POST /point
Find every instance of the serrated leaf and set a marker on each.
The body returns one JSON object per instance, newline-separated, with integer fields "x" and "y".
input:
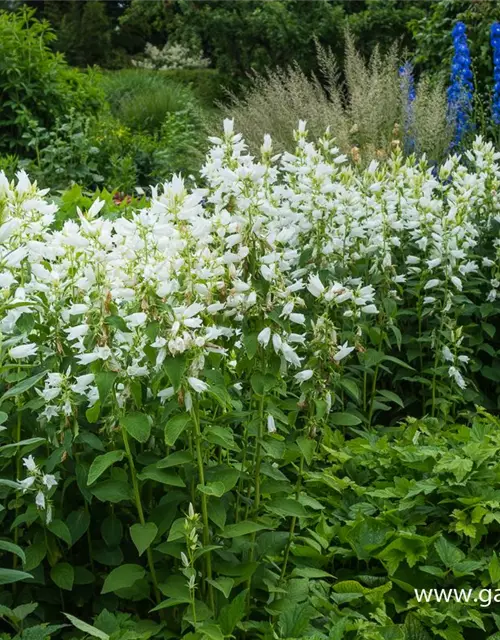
{"x": 104, "y": 382}
{"x": 137, "y": 425}
{"x": 216, "y": 489}
{"x": 174, "y": 428}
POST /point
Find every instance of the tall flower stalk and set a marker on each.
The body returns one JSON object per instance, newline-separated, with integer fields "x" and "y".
{"x": 461, "y": 88}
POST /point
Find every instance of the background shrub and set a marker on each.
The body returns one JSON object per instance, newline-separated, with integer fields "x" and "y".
{"x": 36, "y": 85}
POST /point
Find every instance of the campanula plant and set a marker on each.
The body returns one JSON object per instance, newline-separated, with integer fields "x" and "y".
{"x": 409, "y": 94}
{"x": 461, "y": 88}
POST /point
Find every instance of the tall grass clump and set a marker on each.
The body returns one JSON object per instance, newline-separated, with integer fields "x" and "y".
{"x": 361, "y": 103}
{"x": 143, "y": 100}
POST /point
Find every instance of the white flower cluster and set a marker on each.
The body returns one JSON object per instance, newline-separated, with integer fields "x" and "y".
{"x": 171, "y": 56}
{"x": 272, "y": 242}
{"x": 39, "y": 483}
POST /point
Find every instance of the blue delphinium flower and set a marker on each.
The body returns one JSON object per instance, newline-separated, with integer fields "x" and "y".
{"x": 495, "y": 43}
{"x": 461, "y": 87}
{"x": 409, "y": 95}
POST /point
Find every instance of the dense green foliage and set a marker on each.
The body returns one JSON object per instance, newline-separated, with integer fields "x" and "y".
{"x": 36, "y": 85}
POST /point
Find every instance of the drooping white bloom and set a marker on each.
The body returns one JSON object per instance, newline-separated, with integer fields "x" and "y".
{"x": 271, "y": 425}
{"x": 40, "y": 500}
{"x": 343, "y": 352}
{"x": 23, "y": 351}
{"x": 30, "y": 463}
{"x": 198, "y": 385}
{"x": 315, "y": 286}
{"x": 303, "y": 376}
{"x": 264, "y": 336}
{"x": 49, "y": 481}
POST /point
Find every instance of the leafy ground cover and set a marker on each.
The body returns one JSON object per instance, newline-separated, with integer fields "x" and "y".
{"x": 252, "y": 409}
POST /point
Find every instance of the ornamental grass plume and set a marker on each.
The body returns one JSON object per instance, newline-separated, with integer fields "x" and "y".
{"x": 461, "y": 88}
{"x": 361, "y": 110}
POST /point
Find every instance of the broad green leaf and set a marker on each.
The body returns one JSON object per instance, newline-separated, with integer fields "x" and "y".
{"x": 122, "y": 577}
{"x": 60, "y": 529}
{"x": 175, "y": 426}
{"x": 143, "y": 535}
{"x": 216, "y": 489}
{"x": 494, "y": 569}
{"x": 137, "y": 425}
{"x": 22, "y": 386}
{"x": 307, "y": 447}
{"x": 162, "y": 476}
{"x": 262, "y": 383}
{"x": 242, "y": 529}
{"x": 63, "y": 575}
{"x": 286, "y": 507}
{"x": 232, "y": 613}
{"x": 344, "y": 419}
{"x": 351, "y": 387}
{"x": 78, "y": 522}
{"x": 450, "y": 554}
{"x": 101, "y": 463}
{"x": 112, "y": 531}
{"x": 391, "y": 396}
{"x": 112, "y": 491}
{"x": 86, "y": 628}
{"x": 104, "y": 382}
{"x": 224, "y": 585}
{"x": 175, "y": 368}
{"x": 5, "y": 545}
{"x": 7, "y": 576}
{"x": 175, "y": 459}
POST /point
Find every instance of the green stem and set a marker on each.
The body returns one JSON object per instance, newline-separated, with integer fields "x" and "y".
{"x": 294, "y": 521}
{"x": 204, "y": 504}
{"x": 18, "y": 476}
{"x": 140, "y": 512}
{"x": 372, "y": 397}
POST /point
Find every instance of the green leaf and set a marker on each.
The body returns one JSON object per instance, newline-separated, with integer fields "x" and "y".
{"x": 450, "y": 554}
{"x": 13, "y": 548}
{"x": 262, "y": 383}
{"x": 175, "y": 368}
{"x": 22, "y": 386}
{"x": 242, "y": 529}
{"x": 175, "y": 426}
{"x": 391, "y": 396}
{"x": 224, "y": 585}
{"x": 494, "y": 569}
{"x": 112, "y": 531}
{"x": 351, "y": 387}
{"x": 216, "y": 489}
{"x": 60, "y": 529}
{"x": 143, "y": 535}
{"x": 78, "y": 522}
{"x": 285, "y": 507}
{"x": 63, "y": 575}
{"x": 233, "y": 613}
{"x": 92, "y": 414}
{"x": 137, "y": 425}
{"x": 86, "y": 628}
{"x": 344, "y": 419}
{"x": 104, "y": 382}
{"x": 175, "y": 459}
{"x": 160, "y": 475}
{"x": 101, "y": 463}
{"x": 122, "y": 577}
{"x": 7, "y": 576}
{"x": 307, "y": 447}
{"x": 112, "y": 491}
